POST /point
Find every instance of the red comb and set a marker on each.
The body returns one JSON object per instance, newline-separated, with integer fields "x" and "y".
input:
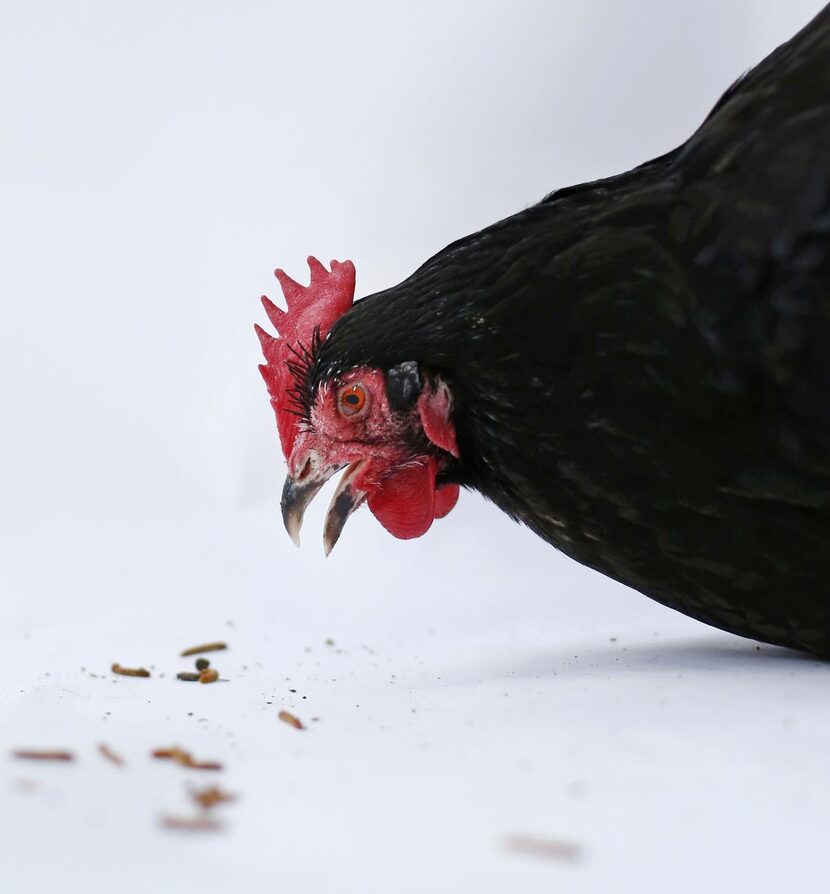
{"x": 312, "y": 311}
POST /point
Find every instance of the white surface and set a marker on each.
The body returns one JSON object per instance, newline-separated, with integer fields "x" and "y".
{"x": 156, "y": 162}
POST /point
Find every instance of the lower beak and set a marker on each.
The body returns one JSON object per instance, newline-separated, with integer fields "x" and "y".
{"x": 297, "y": 493}
{"x": 346, "y": 499}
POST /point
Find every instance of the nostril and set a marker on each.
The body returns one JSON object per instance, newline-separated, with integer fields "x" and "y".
{"x": 305, "y": 472}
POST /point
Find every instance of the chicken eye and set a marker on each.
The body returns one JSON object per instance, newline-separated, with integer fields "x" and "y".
{"x": 351, "y": 399}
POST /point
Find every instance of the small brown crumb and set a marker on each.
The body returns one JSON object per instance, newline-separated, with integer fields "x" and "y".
{"x": 130, "y": 671}
{"x": 110, "y": 755}
{"x": 188, "y": 676}
{"x": 209, "y": 676}
{"x": 185, "y": 758}
{"x": 547, "y": 848}
{"x": 34, "y": 755}
{"x": 175, "y": 754}
{"x": 207, "y": 647}
{"x": 211, "y": 796}
{"x": 290, "y": 719}
{"x": 192, "y": 823}
{"x": 202, "y": 664}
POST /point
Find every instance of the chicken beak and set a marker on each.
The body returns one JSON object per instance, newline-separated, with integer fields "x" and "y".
{"x": 297, "y": 493}
{"x": 346, "y": 499}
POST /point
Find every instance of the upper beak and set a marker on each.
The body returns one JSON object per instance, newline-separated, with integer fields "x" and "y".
{"x": 298, "y": 492}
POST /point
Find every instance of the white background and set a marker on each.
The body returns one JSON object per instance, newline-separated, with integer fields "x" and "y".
{"x": 157, "y": 160}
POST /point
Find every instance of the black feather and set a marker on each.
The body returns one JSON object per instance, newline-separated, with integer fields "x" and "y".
{"x": 640, "y": 366}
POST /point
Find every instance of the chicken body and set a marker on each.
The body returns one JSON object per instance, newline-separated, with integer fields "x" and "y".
{"x": 640, "y": 366}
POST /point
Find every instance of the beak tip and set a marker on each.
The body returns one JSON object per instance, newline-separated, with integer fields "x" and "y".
{"x": 330, "y": 539}
{"x": 293, "y": 523}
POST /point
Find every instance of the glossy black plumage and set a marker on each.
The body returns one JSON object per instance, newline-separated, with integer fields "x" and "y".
{"x": 640, "y": 366}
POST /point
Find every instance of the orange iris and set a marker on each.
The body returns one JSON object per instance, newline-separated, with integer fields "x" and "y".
{"x": 352, "y": 399}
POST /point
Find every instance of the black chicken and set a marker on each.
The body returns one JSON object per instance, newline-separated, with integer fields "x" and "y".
{"x": 638, "y": 369}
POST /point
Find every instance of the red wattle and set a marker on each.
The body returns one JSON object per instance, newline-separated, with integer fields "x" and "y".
{"x": 405, "y": 503}
{"x": 445, "y": 499}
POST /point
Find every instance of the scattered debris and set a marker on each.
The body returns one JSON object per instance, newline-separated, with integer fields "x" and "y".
{"x": 192, "y": 823}
{"x": 207, "y": 647}
{"x": 25, "y": 785}
{"x": 209, "y": 676}
{"x": 291, "y": 720}
{"x": 35, "y": 755}
{"x": 211, "y": 796}
{"x": 546, "y": 848}
{"x": 202, "y": 664}
{"x": 189, "y": 676}
{"x": 185, "y": 758}
{"x": 110, "y": 755}
{"x": 130, "y": 671}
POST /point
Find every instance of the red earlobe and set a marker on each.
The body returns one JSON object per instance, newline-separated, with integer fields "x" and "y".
{"x": 435, "y": 408}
